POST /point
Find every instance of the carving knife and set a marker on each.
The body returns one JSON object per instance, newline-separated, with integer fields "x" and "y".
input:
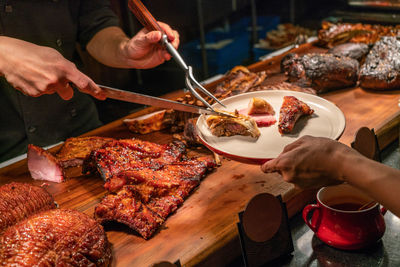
{"x": 137, "y": 98}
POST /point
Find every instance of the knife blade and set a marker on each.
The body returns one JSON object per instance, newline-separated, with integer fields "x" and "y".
{"x": 137, "y": 98}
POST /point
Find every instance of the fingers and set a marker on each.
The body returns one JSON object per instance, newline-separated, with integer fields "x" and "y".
{"x": 65, "y": 91}
{"x": 84, "y": 84}
{"x": 269, "y": 166}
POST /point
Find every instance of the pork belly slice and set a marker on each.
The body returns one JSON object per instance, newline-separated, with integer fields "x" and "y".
{"x": 259, "y": 105}
{"x": 43, "y": 165}
{"x": 56, "y": 237}
{"x": 230, "y": 126}
{"x": 291, "y": 110}
{"x": 20, "y": 200}
{"x": 76, "y": 149}
{"x": 131, "y": 154}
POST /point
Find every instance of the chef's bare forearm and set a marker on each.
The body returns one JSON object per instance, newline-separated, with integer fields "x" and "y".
{"x": 107, "y": 47}
{"x": 376, "y": 179}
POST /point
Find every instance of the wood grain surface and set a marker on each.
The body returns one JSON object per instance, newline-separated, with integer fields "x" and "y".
{"x": 206, "y": 222}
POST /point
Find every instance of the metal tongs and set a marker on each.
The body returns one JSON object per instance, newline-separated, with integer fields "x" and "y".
{"x": 150, "y": 23}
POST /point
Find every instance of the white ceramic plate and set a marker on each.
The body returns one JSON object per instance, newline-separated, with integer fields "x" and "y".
{"x": 327, "y": 121}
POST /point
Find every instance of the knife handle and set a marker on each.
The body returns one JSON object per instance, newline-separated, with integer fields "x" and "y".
{"x": 144, "y": 16}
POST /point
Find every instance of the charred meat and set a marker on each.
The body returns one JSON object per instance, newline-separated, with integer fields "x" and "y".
{"x": 18, "y": 201}
{"x": 291, "y": 110}
{"x": 56, "y": 237}
{"x": 357, "y": 51}
{"x": 323, "y": 72}
{"x": 381, "y": 70}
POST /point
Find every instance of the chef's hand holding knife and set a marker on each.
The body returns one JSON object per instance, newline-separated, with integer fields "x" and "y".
{"x": 37, "y": 70}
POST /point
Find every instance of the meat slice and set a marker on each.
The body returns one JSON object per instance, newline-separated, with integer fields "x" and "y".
{"x": 357, "y": 51}
{"x": 291, "y": 110}
{"x": 259, "y": 106}
{"x": 147, "y": 196}
{"x": 76, "y": 149}
{"x": 56, "y": 237}
{"x": 323, "y": 72}
{"x": 19, "y": 200}
{"x": 381, "y": 70}
{"x": 229, "y": 126}
{"x": 43, "y": 165}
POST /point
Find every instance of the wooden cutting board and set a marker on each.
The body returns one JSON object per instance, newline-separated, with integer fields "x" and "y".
{"x": 206, "y": 222}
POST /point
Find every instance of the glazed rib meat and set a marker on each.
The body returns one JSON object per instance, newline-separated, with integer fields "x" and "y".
{"x": 291, "y": 110}
{"x": 130, "y": 154}
{"x": 155, "y": 181}
{"x": 381, "y": 70}
{"x": 76, "y": 149}
{"x": 56, "y": 237}
{"x": 323, "y": 72}
{"x": 19, "y": 200}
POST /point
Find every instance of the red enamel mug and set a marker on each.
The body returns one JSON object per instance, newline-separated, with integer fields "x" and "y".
{"x": 337, "y": 221}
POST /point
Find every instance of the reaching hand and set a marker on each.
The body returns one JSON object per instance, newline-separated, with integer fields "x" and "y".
{"x": 310, "y": 162}
{"x": 144, "y": 50}
{"x": 37, "y": 70}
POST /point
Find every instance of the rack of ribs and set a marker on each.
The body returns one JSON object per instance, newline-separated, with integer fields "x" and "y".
{"x": 19, "y": 200}
{"x": 332, "y": 34}
{"x": 146, "y": 181}
{"x": 291, "y": 110}
{"x": 57, "y": 237}
{"x": 381, "y": 70}
{"x": 323, "y": 72}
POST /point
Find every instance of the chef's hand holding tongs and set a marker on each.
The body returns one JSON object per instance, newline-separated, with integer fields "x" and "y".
{"x": 149, "y": 22}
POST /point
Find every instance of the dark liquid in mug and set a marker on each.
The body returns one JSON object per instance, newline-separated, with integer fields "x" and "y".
{"x": 347, "y": 206}
{"x": 347, "y": 203}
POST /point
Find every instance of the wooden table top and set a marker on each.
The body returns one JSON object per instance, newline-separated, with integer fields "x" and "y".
{"x": 206, "y": 222}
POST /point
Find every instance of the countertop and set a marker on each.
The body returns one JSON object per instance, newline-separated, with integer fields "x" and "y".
{"x": 310, "y": 251}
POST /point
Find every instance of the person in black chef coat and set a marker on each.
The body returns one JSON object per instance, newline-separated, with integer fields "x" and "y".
{"x": 313, "y": 162}
{"x": 37, "y": 47}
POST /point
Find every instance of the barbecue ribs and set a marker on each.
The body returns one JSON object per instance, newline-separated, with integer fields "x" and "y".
{"x": 147, "y": 181}
{"x": 333, "y": 34}
{"x": 19, "y": 200}
{"x": 291, "y": 110}
{"x": 381, "y": 70}
{"x": 55, "y": 237}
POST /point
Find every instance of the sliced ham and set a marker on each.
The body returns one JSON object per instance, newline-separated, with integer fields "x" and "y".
{"x": 43, "y": 165}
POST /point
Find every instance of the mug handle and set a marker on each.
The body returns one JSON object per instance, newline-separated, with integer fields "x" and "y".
{"x": 383, "y": 210}
{"x": 306, "y": 211}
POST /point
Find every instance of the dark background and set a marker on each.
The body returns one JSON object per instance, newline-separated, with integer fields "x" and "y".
{"x": 183, "y": 15}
